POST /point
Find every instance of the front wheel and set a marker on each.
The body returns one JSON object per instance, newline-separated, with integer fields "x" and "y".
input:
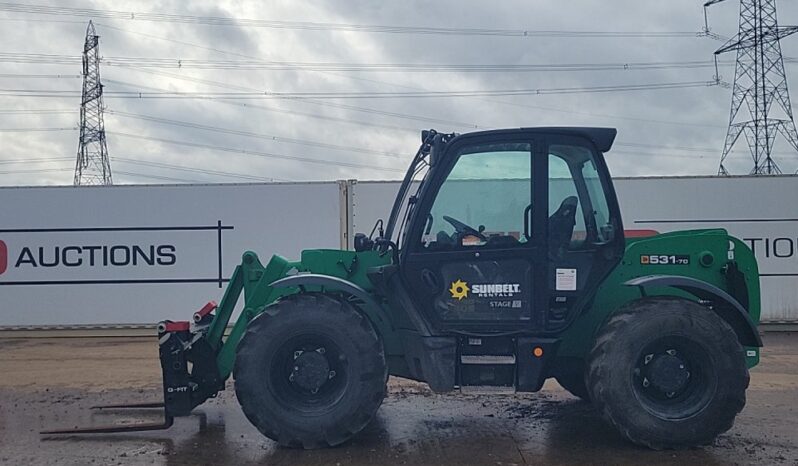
{"x": 310, "y": 371}
{"x": 668, "y": 373}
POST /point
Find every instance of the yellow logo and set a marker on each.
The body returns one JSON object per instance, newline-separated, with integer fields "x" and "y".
{"x": 459, "y": 290}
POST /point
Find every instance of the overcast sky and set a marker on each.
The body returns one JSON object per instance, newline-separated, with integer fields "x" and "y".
{"x": 661, "y": 132}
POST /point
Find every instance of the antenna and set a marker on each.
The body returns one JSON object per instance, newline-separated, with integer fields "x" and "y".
{"x": 92, "y": 166}
{"x": 759, "y": 82}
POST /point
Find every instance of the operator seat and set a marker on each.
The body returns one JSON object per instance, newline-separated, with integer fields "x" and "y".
{"x": 561, "y": 226}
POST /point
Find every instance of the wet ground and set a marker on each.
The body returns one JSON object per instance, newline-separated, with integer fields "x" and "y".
{"x": 51, "y": 383}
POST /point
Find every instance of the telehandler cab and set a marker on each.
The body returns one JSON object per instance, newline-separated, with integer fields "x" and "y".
{"x": 503, "y": 262}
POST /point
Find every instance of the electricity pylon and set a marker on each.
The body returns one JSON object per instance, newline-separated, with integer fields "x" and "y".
{"x": 760, "y": 85}
{"x": 92, "y": 166}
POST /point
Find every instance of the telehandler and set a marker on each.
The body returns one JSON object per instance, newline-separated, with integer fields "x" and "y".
{"x": 503, "y": 262}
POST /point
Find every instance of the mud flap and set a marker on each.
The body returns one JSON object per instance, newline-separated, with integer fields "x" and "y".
{"x": 533, "y": 356}
{"x": 432, "y": 360}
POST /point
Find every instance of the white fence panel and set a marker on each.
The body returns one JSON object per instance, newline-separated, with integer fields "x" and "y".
{"x": 139, "y": 254}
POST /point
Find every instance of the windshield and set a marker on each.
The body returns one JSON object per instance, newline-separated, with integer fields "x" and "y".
{"x": 485, "y": 199}
{"x": 406, "y": 196}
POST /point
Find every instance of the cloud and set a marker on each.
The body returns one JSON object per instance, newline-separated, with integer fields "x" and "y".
{"x": 667, "y": 132}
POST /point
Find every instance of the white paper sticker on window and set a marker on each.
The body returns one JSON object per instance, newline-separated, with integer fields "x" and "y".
{"x": 566, "y": 280}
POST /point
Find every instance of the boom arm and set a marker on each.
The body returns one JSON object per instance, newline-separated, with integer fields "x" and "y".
{"x": 254, "y": 280}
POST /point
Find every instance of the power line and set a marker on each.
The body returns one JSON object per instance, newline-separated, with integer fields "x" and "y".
{"x": 313, "y": 115}
{"x": 37, "y": 160}
{"x": 39, "y": 76}
{"x": 39, "y": 58}
{"x": 51, "y": 170}
{"x": 217, "y": 129}
{"x": 189, "y": 169}
{"x": 270, "y": 108}
{"x": 38, "y": 170}
{"x": 361, "y": 109}
{"x": 40, "y": 111}
{"x": 665, "y": 146}
{"x": 42, "y": 20}
{"x": 34, "y": 130}
{"x": 256, "y": 153}
{"x": 278, "y": 110}
{"x": 323, "y": 26}
{"x": 297, "y": 141}
{"x": 657, "y": 151}
{"x": 606, "y": 115}
{"x": 362, "y": 94}
{"x": 126, "y": 160}
{"x": 657, "y": 154}
{"x": 259, "y": 65}
{"x": 128, "y": 173}
{"x": 313, "y": 102}
{"x": 651, "y": 65}
{"x": 322, "y": 103}
{"x": 156, "y": 177}
{"x": 655, "y": 146}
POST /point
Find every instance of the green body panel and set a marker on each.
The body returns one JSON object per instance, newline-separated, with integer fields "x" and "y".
{"x": 613, "y": 294}
{"x": 254, "y": 280}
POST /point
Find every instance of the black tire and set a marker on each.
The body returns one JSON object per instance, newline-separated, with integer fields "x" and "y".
{"x": 571, "y": 377}
{"x": 348, "y": 375}
{"x": 668, "y": 373}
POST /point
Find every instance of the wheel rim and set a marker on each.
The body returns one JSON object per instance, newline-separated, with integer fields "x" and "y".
{"x": 673, "y": 377}
{"x": 308, "y": 373}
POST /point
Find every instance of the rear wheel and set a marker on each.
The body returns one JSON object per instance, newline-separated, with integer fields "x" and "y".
{"x": 310, "y": 371}
{"x": 668, "y": 373}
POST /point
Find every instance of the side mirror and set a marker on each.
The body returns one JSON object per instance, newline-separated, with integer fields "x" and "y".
{"x": 363, "y": 243}
{"x": 608, "y": 232}
{"x": 424, "y": 135}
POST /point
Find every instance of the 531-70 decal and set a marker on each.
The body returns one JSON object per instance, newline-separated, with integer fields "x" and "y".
{"x": 664, "y": 259}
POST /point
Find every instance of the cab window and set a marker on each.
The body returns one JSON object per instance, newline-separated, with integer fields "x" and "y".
{"x": 601, "y": 210}
{"x": 484, "y": 200}
{"x": 578, "y": 209}
{"x": 562, "y": 196}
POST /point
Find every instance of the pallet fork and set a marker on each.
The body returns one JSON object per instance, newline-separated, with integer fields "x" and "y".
{"x": 115, "y": 429}
{"x": 179, "y": 346}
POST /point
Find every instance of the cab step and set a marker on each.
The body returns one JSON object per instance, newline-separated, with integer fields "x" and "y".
{"x": 487, "y": 390}
{"x": 487, "y": 359}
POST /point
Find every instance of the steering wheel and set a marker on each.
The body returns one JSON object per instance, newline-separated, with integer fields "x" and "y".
{"x": 462, "y": 229}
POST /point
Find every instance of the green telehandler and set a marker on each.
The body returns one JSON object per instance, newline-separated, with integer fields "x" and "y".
{"x": 503, "y": 262}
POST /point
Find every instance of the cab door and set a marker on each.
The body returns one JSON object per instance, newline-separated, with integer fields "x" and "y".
{"x": 585, "y": 234}
{"x": 475, "y": 255}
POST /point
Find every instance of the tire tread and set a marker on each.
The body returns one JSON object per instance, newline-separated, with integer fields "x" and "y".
{"x": 247, "y": 388}
{"x": 601, "y": 355}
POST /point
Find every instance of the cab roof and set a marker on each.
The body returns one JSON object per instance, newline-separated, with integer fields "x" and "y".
{"x": 601, "y": 137}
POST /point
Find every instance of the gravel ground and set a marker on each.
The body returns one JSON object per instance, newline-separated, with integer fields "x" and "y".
{"x": 49, "y": 383}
